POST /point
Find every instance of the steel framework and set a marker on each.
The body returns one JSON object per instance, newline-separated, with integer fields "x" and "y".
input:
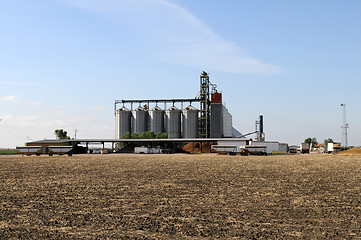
{"x": 204, "y": 105}
{"x": 156, "y": 101}
{"x": 203, "y": 98}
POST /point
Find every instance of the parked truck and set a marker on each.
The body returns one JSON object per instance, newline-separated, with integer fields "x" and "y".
{"x": 260, "y": 150}
{"x": 224, "y": 150}
{"x": 293, "y": 149}
{"x": 244, "y": 151}
{"x": 147, "y": 150}
{"x": 29, "y": 150}
{"x": 305, "y": 148}
{"x": 333, "y": 147}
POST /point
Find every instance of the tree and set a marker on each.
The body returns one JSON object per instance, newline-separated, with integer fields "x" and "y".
{"x": 144, "y": 135}
{"x": 327, "y": 141}
{"x": 135, "y": 136}
{"x": 125, "y": 136}
{"x": 311, "y": 141}
{"x": 161, "y": 135}
{"x": 61, "y": 134}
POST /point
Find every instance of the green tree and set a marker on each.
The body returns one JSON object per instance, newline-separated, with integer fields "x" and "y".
{"x": 61, "y": 134}
{"x": 328, "y": 141}
{"x": 164, "y": 136}
{"x": 312, "y": 141}
{"x": 144, "y": 135}
{"x": 125, "y": 136}
{"x": 135, "y": 136}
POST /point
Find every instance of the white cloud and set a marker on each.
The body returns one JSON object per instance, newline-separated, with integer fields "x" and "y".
{"x": 36, "y": 103}
{"x": 16, "y": 129}
{"x": 176, "y": 35}
{"x": 14, "y": 98}
{"x": 8, "y": 98}
{"x": 6, "y": 117}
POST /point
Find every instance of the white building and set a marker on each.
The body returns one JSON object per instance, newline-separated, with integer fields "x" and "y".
{"x": 242, "y": 142}
{"x": 237, "y": 142}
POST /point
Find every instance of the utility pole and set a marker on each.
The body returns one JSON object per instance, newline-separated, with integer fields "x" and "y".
{"x": 344, "y": 126}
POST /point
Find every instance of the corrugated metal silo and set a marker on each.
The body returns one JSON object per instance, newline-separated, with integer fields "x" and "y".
{"x": 216, "y": 115}
{"x": 122, "y": 122}
{"x": 216, "y": 120}
{"x": 173, "y": 122}
{"x": 156, "y": 120}
{"x": 227, "y": 122}
{"x": 140, "y": 120}
{"x": 190, "y": 122}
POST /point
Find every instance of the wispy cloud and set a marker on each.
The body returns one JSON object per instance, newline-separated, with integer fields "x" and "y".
{"x": 6, "y": 117}
{"x": 16, "y": 129}
{"x": 176, "y": 35}
{"x": 16, "y": 99}
{"x": 8, "y": 98}
{"x": 35, "y": 103}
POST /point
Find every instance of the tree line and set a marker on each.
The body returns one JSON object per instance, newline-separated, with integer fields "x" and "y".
{"x": 146, "y": 135}
{"x": 313, "y": 141}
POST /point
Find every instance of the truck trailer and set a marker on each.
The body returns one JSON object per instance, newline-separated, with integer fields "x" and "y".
{"x": 305, "y": 148}
{"x": 51, "y": 150}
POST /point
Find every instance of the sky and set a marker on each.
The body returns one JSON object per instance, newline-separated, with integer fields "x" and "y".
{"x": 63, "y": 63}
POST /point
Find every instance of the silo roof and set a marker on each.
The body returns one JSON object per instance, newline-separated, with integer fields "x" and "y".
{"x": 139, "y": 109}
{"x": 190, "y": 107}
{"x": 156, "y": 108}
{"x": 173, "y": 108}
{"x": 123, "y": 109}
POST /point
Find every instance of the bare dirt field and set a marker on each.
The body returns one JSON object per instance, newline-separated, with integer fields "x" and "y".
{"x": 180, "y": 197}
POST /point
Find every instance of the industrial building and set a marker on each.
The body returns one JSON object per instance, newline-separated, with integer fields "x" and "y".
{"x": 204, "y": 119}
{"x": 210, "y": 120}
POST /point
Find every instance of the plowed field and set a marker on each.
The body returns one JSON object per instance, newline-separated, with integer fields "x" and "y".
{"x": 180, "y": 197}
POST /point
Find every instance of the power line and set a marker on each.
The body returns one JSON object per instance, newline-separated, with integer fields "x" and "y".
{"x": 13, "y": 134}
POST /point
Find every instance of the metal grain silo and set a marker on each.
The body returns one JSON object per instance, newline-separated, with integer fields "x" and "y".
{"x": 122, "y": 122}
{"x": 216, "y": 115}
{"x": 216, "y": 120}
{"x": 227, "y": 122}
{"x": 156, "y": 120}
{"x": 140, "y": 120}
{"x": 173, "y": 122}
{"x": 190, "y": 122}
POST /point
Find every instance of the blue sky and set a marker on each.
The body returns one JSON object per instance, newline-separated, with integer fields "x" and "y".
{"x": 64, "y": 62}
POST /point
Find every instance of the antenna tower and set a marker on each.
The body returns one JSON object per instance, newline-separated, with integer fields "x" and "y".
{"x": 344, "y": 127}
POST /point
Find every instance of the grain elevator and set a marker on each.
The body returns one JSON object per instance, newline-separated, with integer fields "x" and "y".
{"x": 210, "y": 120}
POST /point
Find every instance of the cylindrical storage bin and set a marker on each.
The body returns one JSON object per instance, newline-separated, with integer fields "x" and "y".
{"x": 216, "y": 120}
{"x": 122, "y": 122}
{"x": 173, "y": 122}
{"x": 190, "y": 122}
{"x": 140, "y": 120}
{"x": 156, "y": 120}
